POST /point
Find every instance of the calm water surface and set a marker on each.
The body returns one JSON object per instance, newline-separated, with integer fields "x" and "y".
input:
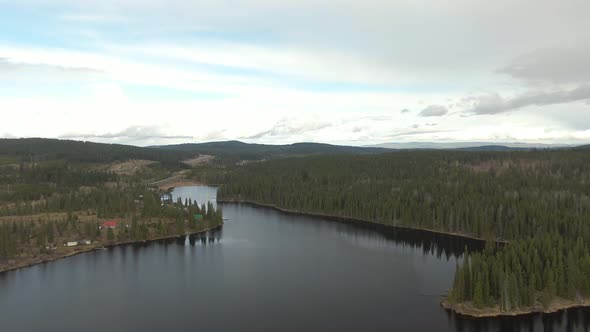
{"x": 263, "y": 271}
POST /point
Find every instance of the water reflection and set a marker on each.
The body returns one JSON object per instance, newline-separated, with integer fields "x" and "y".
{"x": 429, "y": 243}
{"x": 209, "y": 237}
{"x": 369, "y": 234}
{"x": 436, "y": 245}
{"x": 577, "y": 319}
{"x": 262, "y": 271}
{"x": 445, "y": 247}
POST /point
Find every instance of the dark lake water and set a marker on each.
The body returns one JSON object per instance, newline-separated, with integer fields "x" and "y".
{"x": 263, "y": 271}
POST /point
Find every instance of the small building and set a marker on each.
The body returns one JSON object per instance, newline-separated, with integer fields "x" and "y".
{"x": 85, "y": 242}
{"x": 109, "y": 224}
{"x": 71, "y": 243}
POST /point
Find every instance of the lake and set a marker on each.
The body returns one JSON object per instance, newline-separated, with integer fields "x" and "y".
{"x": 263, "y": 271}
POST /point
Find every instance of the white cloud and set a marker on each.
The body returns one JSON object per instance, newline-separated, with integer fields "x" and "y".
{"x": 569, "y": 64}
{"x": 338, "y": 71}
{"x": 494, "y": 103}
{"x": 133, "y": 132}
{"x": 286, "y": 128}
{"x": 275, "y": 59}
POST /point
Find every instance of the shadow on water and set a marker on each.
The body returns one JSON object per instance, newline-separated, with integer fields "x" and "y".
{"x": 208, "y": 237}
{"x": 577, "y": 319}
{"x": 434, "y": 244}
{"x": 430, "y": 243}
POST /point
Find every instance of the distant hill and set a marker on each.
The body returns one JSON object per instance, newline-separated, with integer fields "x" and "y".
{"x": 249, "y": 151}
{"x": 492, "y": 148}
{"x": 44, "y": 149}
{"x": 470, "y": 146}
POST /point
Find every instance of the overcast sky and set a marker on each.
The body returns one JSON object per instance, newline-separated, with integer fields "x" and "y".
{"x": 280, "y": 71}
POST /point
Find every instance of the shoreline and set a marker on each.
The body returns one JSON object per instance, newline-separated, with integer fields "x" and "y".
{"x": 188, "y": 183}
{"x": 177, "y": 179}
{"x": 93, "y": 248}
{"x": 467, "y": 310}
{"x": 179, "y": 183}
{"x": 352, "y": 220}
{"x": 460, "y": 309}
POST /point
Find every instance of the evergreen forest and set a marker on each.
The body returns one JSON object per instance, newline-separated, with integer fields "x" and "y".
{"x": 532, "y": 208}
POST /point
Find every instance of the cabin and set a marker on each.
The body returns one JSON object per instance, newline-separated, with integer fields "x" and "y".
{"x": 109, "y": 224}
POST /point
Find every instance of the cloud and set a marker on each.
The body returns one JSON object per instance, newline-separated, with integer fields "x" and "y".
{"x": 552, "y": 65}
{"x": 381, "y": 117}
{"x": 287, "y": 128}
{"x": 415, "y": 132}
{"x": 434, "y": 110}
{"x": 276, "y": 59}
{"x": 494, "y": 103}
{"x": 56, "y": 62}
{"x": 265, "y": 35}
{"x": 245, "y": 65}
{"x": 8, "y": 64}
{"x": 133, "y": 132}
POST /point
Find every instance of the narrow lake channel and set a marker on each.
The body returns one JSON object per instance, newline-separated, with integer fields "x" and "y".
{"x": 263, "y": 271}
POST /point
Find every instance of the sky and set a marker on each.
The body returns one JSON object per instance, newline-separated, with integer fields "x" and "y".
{"x": 351, "y": 72}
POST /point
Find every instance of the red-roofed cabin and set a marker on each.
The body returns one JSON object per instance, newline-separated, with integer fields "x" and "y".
{"x": 109, "y": 224}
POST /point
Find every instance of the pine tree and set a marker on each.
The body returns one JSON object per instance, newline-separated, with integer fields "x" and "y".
{"x": 110, "y": 234}
{"x": 478, "y": 298}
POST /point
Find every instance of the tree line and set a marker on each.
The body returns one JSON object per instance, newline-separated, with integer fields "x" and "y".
{"x": 537, "y": 200}
{"x": 524, "y": 273}
{"x": 37, "y": 150}
{"x": 48, "y": 202}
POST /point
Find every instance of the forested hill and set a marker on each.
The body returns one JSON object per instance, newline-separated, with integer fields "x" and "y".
{"x": 538, "y": 200}
{"x": 43, "y": 149}
{"x": 248, "y": 151}
{"x": 483, "y": 194}
{"x": 493, "y": 148}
